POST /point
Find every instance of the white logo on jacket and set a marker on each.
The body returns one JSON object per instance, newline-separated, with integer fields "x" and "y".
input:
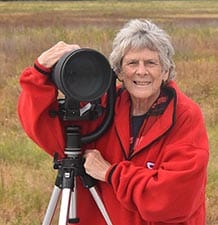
{"x": 150, "y": 165}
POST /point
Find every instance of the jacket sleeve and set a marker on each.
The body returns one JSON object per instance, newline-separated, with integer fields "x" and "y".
{"x": 172, "y": 191}
{"x": 38, "y": 96}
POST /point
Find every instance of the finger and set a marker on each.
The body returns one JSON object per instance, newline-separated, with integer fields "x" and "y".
{"x": 50, "y": 57}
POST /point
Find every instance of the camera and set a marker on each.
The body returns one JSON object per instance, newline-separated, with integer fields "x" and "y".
{"x": 84, "y": 76}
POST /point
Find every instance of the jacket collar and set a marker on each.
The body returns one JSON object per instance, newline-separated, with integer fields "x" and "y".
{"x": 152, "y": 129}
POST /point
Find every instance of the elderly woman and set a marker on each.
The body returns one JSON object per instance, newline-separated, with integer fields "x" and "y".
{"x": 151, "y": 163}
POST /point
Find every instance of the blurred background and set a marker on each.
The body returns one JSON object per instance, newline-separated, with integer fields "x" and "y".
{"x": 29, "y": 27}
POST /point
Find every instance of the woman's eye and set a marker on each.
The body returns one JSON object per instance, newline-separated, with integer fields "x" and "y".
{"x": 132, "y": 63}
{"x": 152, "y": 63}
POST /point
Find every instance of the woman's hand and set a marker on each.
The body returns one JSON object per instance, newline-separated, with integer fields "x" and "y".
{"x": 53, "y": 54}
{"x": 95, "y": 165}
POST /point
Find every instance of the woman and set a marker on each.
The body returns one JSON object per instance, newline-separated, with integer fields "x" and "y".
{"x": 151, "y": 163}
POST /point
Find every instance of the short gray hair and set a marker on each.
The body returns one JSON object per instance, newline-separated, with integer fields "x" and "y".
{"x": 141, "y": 33}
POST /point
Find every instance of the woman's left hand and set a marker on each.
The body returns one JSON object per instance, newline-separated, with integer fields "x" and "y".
{"x": 95, "y": 165}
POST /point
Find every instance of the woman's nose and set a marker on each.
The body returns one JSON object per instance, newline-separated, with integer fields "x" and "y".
{"x": 142, "y": 69}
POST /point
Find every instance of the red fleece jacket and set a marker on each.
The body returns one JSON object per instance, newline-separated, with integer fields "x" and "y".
{"x": 161, "y": 182}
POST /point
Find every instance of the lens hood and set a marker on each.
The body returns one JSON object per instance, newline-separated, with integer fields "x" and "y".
{"x": 83, "y": 74}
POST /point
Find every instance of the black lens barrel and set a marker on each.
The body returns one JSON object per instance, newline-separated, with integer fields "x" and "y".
{"x": 84, "y": 74}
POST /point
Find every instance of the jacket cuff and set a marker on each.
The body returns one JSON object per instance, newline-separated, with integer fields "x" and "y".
{"x": 109, "y": 173}
{"x": 42, "y": 69}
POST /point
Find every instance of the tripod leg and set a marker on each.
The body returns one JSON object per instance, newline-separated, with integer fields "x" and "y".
{"x": 63, "y": 217}
{"x": 73, "y": 205}
{"x": 52, "y": 206}
{"x": 100, "y": 205}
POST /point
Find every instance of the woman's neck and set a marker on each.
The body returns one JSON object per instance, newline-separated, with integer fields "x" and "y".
{"x": 141, "y": 106}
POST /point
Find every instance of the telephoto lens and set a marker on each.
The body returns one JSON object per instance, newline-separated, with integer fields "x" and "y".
{"x": 84, "y": 75}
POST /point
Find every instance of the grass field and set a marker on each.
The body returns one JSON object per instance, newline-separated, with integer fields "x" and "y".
{"x": 28, "y": 28}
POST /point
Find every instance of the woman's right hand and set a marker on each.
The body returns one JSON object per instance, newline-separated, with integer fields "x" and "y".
{"x": 53, "y": 54}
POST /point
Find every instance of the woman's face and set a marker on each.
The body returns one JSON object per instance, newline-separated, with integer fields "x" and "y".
{"x": 142, "y": 74}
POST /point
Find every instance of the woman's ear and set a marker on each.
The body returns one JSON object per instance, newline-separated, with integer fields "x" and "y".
{"x": 120, "y": 76}
{"x": 165, "y": 75}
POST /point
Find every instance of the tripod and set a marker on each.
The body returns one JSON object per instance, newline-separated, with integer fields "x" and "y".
{"x": 68, "y": 169}
{"x": 71, "y": 167}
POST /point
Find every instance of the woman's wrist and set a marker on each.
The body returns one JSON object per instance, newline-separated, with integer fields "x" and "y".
{"x": 41, "y": 68}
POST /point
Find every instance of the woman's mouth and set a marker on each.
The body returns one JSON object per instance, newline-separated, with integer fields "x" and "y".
{"x": 142, "y": 83}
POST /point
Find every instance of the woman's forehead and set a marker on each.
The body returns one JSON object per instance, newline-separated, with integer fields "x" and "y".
{"x": 136, "y": 52}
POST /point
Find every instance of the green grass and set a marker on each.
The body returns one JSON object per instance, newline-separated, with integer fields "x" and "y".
{"x": 28, "y": 28}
